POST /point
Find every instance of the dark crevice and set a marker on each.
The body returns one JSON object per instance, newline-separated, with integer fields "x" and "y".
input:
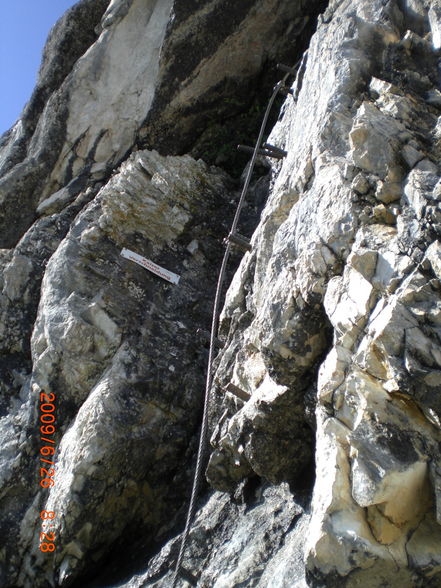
{"x": 231, "y": 111}
{"x": 411, "y": 19}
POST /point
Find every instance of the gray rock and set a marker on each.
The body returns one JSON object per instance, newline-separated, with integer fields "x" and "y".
{"x": 94, "y": 338}
{"x": 326, "y": 469}
{"x": 29, "y": 151}
{"x": 127, "y": 70}
{"x": 249, "y": 535}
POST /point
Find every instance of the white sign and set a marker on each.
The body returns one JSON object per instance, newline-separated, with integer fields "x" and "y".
{"x": 152, "y": 267}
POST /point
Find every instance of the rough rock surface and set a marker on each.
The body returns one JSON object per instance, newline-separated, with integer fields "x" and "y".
{"x": 329, "y": 474}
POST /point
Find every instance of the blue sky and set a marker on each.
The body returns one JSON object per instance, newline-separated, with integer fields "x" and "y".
{"x": 24, "y": 26}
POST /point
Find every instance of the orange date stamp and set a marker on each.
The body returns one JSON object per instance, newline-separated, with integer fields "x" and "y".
{"x": 47, "y": 462}
{"x": 47, "y": 537}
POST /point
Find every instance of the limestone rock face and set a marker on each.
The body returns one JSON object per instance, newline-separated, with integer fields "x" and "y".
{"x": 325, "y": 470}
{"x": 126, "y": 68}
{"x": 256, "y": 538}
{"x": 335, "y": 308}
{"x": 343, "y": 247}
{"x": 99, "y": 352}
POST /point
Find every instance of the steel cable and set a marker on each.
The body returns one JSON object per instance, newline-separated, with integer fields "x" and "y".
{"x": 214, "y": 325}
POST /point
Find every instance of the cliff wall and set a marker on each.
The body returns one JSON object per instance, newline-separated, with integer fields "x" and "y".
{"x": 327, "y": 471}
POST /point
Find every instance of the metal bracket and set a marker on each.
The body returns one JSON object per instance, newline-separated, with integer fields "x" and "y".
{"x": 285, "y": 90}
{"x": 248, "y": 149}
{"x": 265, "y": 152}
{"x": 240, "y": 241}
{"x": 287, "y": 69}
{"x": 233, "y": 389}
{"x": 276, "y": 150}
